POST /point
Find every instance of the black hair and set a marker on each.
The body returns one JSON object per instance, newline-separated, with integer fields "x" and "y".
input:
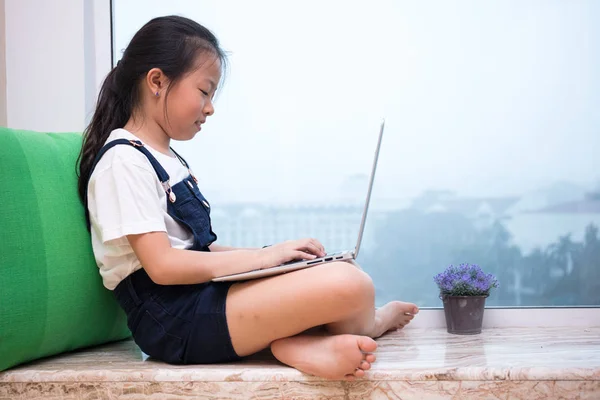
{"x": 170, "y": 43}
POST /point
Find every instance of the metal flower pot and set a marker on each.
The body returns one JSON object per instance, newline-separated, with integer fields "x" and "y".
{"x": 464, "y": 314}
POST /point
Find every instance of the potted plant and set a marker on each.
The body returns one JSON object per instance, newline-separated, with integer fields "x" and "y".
{"x": 463, "y": 290}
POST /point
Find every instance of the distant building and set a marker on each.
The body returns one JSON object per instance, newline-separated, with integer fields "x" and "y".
{"x": 256, "y": 225}
{"x": 482, "y": 211}
{"x": 544, "y": 226}
{"x": 557, "y": 193}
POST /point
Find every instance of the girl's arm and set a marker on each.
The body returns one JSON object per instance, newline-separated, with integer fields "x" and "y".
{"x": 218, "y": 247}
{"x": 169, "y": 266}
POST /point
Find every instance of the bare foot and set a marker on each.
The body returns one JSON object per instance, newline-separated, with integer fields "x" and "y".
{"x": 331, "y": 357}
{"x": 394, "y": 315}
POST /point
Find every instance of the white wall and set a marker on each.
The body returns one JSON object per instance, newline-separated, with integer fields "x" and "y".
{"x": 2, "y": 68}
{"x": 51, "y": 62}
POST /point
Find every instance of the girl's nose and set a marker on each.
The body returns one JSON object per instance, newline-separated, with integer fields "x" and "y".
{"x": 209, "y": 109}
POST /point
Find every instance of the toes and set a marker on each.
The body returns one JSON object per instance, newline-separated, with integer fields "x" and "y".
{"x": 370, "y": 358}
{"x": 366, "y": 344}
{"x": 410, "y": 308}
{"x": 359, "y": 373}
{"x": 365, "y": 366}
{"x": 349, "y": 377}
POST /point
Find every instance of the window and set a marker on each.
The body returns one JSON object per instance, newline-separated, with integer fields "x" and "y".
{"x": 490, "y": 154}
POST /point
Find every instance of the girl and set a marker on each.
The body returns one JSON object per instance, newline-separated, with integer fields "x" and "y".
{"x": 155, "y": 247}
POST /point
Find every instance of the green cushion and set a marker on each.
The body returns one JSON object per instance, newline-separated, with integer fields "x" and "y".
{"x": 51, "y": 294}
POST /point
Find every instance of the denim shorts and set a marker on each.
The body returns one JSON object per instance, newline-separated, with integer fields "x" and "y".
{"x": 177, "y": 324}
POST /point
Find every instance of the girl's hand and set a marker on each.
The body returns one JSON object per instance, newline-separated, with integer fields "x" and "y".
{"x": 302, "y": 249}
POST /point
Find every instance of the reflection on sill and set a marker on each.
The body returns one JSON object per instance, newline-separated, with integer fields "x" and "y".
{"x": 526, "y": 363}
{"x": 519, "y": 317}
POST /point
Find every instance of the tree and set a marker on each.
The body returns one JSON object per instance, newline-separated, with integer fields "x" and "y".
{"x": 580, "y": 285}
{"x": 492, "y": 251}
{"x": 412, "y": 246}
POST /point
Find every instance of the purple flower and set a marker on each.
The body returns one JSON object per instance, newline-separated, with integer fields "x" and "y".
{"x": 465, "y": 280}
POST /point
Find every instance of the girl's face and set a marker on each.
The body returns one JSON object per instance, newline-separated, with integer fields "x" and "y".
{"x": 190, "y": 101}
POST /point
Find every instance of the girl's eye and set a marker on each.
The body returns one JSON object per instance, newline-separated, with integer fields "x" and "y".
{"x": 203, "y": 92}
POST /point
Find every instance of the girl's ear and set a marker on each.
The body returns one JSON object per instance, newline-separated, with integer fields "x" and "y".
{"x": 156, "y": 81}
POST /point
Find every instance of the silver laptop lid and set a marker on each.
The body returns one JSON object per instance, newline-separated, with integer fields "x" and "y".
{"x": 364, "y": 216}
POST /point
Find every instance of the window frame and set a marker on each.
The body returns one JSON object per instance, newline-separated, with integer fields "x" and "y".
{"x": 429, "y": 317}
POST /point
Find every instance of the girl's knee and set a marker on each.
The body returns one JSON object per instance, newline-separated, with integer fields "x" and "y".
{"x": 350, "y": 282}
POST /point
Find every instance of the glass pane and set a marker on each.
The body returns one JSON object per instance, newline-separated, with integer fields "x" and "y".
{"x": 490, "y": 154}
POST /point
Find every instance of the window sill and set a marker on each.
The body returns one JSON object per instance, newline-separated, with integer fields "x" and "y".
{"x": 525, "y": 362}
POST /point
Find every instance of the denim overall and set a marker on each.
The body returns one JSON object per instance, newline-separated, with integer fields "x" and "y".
{"x": 178, "y": 324}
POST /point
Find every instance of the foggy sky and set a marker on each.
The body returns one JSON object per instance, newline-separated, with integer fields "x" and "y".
{"x": 484, "y": 98}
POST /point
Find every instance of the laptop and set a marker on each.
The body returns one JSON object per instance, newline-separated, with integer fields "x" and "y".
{"x": 295, "y": 265}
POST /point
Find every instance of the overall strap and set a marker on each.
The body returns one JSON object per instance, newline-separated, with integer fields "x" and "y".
{"x": 182, "y": 160}
{"x": 160, "y": 171}
{"x": 163, "y": 176}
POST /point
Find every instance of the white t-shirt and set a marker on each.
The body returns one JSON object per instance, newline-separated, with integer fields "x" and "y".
{"x": 126, "y": 197}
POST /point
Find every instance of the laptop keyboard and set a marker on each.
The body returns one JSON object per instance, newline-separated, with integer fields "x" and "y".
{"x": 327, "y": 257}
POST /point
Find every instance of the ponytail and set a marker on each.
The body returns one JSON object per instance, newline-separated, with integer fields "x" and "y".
{"x": 172, "y": 44}
{"x": 112, "y": 111}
